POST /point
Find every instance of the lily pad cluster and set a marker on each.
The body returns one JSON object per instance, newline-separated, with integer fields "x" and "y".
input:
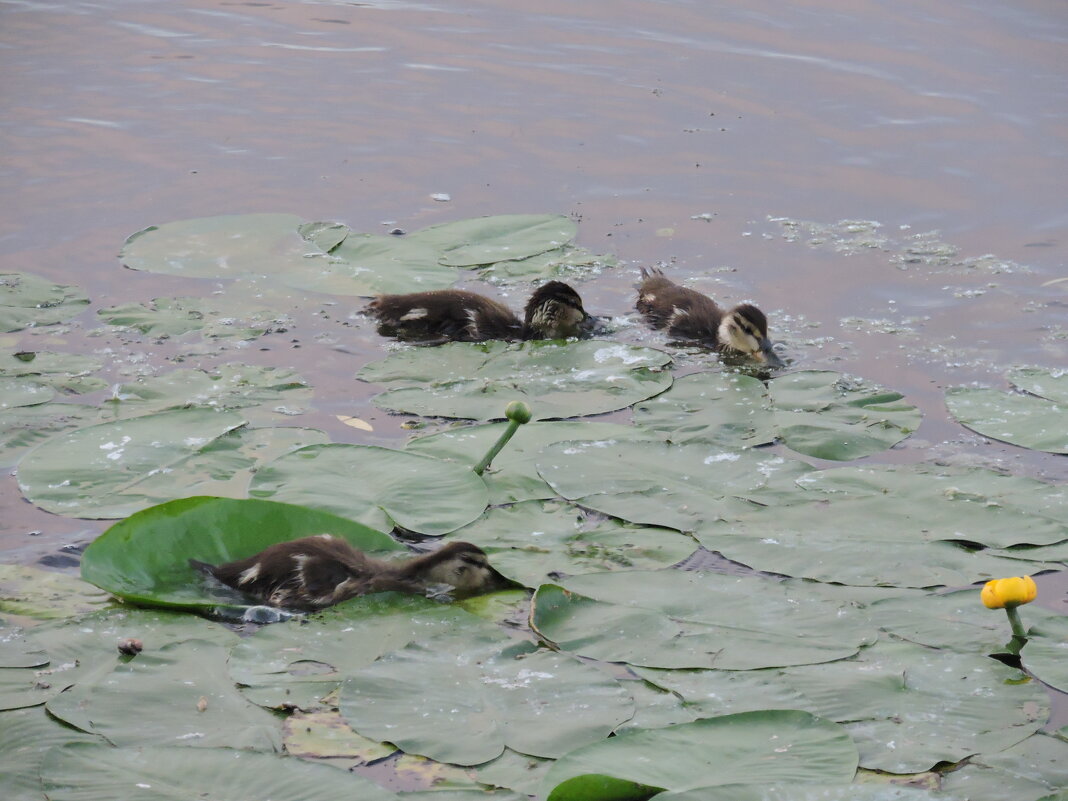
{"x": 28, "y": 300}
{"x": 331, "y": 258}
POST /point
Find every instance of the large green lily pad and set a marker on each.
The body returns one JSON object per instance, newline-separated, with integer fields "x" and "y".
{"x": 155, "y": 699}
{"x": 298, "y": 664}
{"x": 476, "y": 381}
{"x": 1049, "y": 384}
{"x": 535, "y": 541}
{"x": 505, "y": 237}
{"x": 513, "y": 476}
{"x": 805, "y": 792}
{"x": 29, "y": 300}
{"x": 815, "y": 412}
{"x": 24, "y": 427}
{"x": 369, "y": 264}
{"x": 493, "y": 690}
{"x": 677, "y": 619}
{"x": 16, "y": 392}
{"x": 1025, "y": 420}
{"x": 89, "y": 772}
{"x": 144, "y": 558}
{"x": 764, "y": 746}
{"x": 228, "y": 246}
{"x": 379, "y": 487}
{"x": 658, "y": 483}
{"x": 65, "y": 372}
{"x": 566, "y": 263}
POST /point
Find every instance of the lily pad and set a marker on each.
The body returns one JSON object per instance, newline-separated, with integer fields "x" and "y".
{"x": 476, "y": 381}
{"x": 299, "y": 664}
{"x": 24, "y": 427}
{"x": 44, "y": 595}
{"x": 215, "y": 318}
{"x": 144, "y": 558}
{"x": 805, "y": 792}
{"x": 679, "y": 486}
{"x": 1024, "y": 420}
{"x": 533, "y": 542}
{"x": 324, "y": 735}
{"x": 15, "y": 392}
{"x": 265, "y": 394}
{"x": 505, "y": 237}
{"x": 520, "y": 772}
{"x": 565, "y": 263}
{"x": 1046, "y": 652}
{"x": 88, "y": 772}
{"x": 179, "y": 694}
{"x": 376, "y": 486}
{"x": 922, "y": 548}
{"x": 690, "y": 620}
{"x": 764, "y": 746}
{"x": 26, "y": 736}
{"x": 496, "y": 692}
{"x": 28, "y": 300}
{"x": 513, "y": 476}
{"x": 114, "y": 469}
{"x": 65, "y": 372}
{"x": 1049, "y": 384}
{"x": 228, "y": 246}
{"x": 815, "y": 412}
{"x": 368, "y": 264}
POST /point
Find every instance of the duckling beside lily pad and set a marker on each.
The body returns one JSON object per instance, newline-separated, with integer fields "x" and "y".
{"x": 315, "y": 572}
{"x": 688, "y": 315}
{"x": 554, "y": 311}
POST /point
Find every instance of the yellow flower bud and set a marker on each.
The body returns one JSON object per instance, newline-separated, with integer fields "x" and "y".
{"x": 1009, "y": 592}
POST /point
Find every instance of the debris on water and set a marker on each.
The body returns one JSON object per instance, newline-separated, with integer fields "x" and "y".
{"x": 441, "y": 197}
{"x": 131, "y": 646}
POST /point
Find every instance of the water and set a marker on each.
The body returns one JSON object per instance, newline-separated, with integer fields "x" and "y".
{"x": 723, "y": 140}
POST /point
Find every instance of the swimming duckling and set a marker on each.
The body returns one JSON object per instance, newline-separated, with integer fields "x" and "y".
{"x": 554, "y": 311}
{"x": 315, "y": 572}
{"x": 689, "y": 315}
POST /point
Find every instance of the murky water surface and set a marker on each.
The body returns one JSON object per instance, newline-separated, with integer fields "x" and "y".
{"x": 726, "y": 140}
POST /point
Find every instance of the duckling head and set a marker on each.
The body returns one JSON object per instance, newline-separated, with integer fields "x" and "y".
{"x": 555, "y": 311}
{"x": 466, "y": 568}
{"x": 745, "y": 329}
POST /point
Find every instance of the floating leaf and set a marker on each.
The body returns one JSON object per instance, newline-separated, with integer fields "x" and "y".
{"x": 229, "y": 246}
{"x": 476, "y": 381}
{"x": 513, "y": 475}
{"x": 377, "y": 486}
{"x": 533, "y": 541}
{"x": 87, "y": 772}
{"x": 325, "y": 735}
{"x": 520, "y": 772}
{"x": 680, "y": 486}
{"x": 1024, "y": 420}
{"x": 267, "y": 393}
{"x": 15, "y": 392}
{"x": 298, "y": 664}
{"x": 216, "y": 318}
{"x": 1049, "y": 384}
{"x": 114, "y": 469}
{"x": 1046, "y": 652}
{"x": 765, "y": 746}
{"x": 65, "y": 372}
{"x": 26, "y": 736}
{"x": 24, "y": 427}
{"x": 816, "y": 412}
{"x": 28, "y": 300}
{"x": 368, "y": 264}
{"x": 567, "y": 262}
{"x": 497, "y": 692}
{"x": 505, "y": 237}
{"x": 355, "y": 422}
{"x": 804, "y": 792}
{"x": 145, "y": 557}
{"x": 153, "y": 700}
{"x": 689, "y": 620}
{"x": 42, "y": 594}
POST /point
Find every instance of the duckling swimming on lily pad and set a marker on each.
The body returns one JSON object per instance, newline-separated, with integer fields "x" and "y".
{"x": 554, "y": 311}
{"x": 315, "y": 572}
{"x": 689, "y": 315}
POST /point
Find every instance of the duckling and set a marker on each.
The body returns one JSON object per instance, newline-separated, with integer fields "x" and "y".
{"x": 315, "y": 572}
{"x": 689, "y": 315}
{"x": 554, "y": 311}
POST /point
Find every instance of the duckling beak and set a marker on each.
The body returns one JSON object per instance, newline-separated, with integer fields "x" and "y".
{"x": 768, "y": 355}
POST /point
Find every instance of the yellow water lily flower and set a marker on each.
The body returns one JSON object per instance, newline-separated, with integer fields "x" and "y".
{"x": 1007, "y": 593}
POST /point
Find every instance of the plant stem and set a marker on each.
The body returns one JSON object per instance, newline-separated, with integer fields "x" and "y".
{"x": 1019, "y": 634}
{"x": 513, "y": 426}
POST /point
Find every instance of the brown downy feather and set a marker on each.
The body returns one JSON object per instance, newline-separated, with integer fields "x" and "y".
{"x": 691, "y": 316}
{"x": 554, "y": 311}
{"x": 316, "y": 572}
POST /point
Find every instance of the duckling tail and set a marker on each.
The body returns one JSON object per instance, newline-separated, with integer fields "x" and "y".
{"x": 202, "y": 567}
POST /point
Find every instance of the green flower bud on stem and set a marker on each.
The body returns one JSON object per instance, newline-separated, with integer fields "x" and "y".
{"x": 517, "y": 413}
